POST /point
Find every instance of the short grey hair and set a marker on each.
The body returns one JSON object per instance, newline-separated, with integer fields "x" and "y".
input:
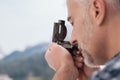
{"x": 115, "y": 4}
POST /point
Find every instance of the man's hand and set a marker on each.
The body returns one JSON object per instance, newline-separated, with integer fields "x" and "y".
{"x": 61, "y": 61}
{"x": 57, "y": 56}
{"x": 66, "y": 66}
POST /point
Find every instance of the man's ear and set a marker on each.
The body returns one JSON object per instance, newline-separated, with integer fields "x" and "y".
{"x": 98, "y": 11}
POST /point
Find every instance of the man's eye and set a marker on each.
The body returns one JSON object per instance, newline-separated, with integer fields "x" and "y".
{"x": 70, "y": 20}
{"x": 72, "y": 23}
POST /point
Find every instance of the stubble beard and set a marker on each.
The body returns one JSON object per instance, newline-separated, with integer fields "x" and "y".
{"x": 85, "y": 44}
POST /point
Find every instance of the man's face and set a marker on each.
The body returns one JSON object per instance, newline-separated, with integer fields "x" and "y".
{"x": 84, "y": 33}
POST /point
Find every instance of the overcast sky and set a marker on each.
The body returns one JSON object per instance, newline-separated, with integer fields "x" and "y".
{"x": 28, "y": 22}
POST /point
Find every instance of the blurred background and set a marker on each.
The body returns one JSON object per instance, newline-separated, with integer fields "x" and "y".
{"x": 26, "y": 28}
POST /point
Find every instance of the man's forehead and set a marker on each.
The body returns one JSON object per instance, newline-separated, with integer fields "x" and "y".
{"x": 73, "y": 7}
{"x": 72, "y": 2}
{"x": 75, "y": 2}
{"x": 78, "y": 1}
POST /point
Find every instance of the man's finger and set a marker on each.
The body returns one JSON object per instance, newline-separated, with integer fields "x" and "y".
{"x": 79, "y": 59}
{"x": 78, "y": 64}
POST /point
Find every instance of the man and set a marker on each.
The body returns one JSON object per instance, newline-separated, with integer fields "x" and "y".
{"x": 96, "y": 29}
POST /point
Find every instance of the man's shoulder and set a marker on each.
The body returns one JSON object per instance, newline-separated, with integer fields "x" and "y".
{"x": 111, "y": 71}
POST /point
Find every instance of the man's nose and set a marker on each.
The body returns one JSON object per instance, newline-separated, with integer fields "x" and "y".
{"x": 73, "y": 39}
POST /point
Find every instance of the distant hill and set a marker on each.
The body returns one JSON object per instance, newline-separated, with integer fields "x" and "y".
{"x": 1, "y": 53}
{"x": 19, "y": 65}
